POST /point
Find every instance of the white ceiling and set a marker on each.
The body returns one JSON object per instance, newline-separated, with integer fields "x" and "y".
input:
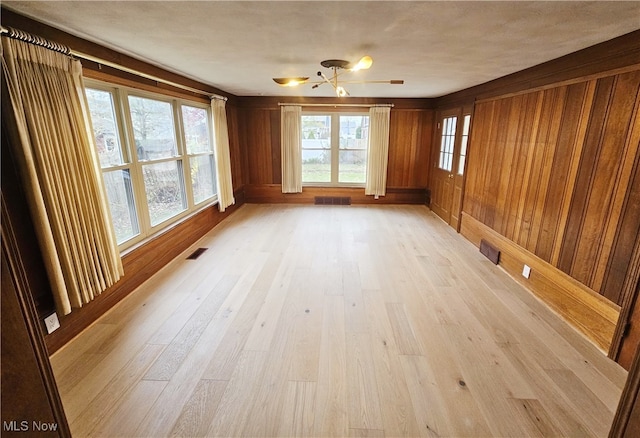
{"x": 437, "y": 47}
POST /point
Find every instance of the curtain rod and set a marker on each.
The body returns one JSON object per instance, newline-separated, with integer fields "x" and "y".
{"x": 60, "y": 48}
{"x": 335, "y": 105}
{"x": 34, "y": 39}
{"x": 146, "y": 75}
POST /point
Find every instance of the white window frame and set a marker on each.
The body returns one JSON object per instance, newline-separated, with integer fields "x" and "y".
{"x": 335, "y": 148}
{"x": 135, "y": 165}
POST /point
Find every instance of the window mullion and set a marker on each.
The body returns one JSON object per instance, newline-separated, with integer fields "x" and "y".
{"x": 182, "y": 152}
{"x": 335, "y": 147}
{"x": 137, "y": 173}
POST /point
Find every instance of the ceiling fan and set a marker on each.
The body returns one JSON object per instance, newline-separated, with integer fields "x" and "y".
{"x": 336, "y": 64}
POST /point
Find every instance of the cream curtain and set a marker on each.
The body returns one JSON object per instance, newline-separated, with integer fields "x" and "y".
{"x": 378, "y": 151}
{"x": 222, "y": 154}
{"x": 46, "y": 119}
{"x": 291, "y": 141}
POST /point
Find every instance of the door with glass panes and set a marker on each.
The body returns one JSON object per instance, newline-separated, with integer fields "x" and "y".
{"x": 449, "y": 159}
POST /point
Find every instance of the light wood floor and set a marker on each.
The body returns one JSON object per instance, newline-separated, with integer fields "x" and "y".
{"x": 334, "y": 321}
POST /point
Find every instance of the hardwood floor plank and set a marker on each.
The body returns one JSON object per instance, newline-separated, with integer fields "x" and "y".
{"x": 331, "y": 395}
{"x": 593, "y": 413}
{"x": 537, "y": 421}
{"x": 307, "y": 328}
{"x": 195, "y": 417}
{"x": 398, "y": 415}
{"x": 429, "y": 404}
{"x": 167, "y": 408}
{"x": 228, "y": 352}
{"x": 366, "y": 433}
{"x": 564, "y": 415}
{"x": 131, "y": 409}
{"x": 298, "y": 414}
{"x": 169, "y": 361}
{"x": 402, "y": 331}
{"x": 233, "y": 411}
{"x": 99, "y": 410}
{"x": 364, "y": 402}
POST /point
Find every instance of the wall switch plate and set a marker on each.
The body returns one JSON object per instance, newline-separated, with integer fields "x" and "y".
{"x": 526, "y": 271}
{"x": 52, "y": 323}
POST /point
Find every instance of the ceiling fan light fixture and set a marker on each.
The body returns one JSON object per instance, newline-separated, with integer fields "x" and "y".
{"x": 334, "y": 81}
{"x": 364, "y": 63}
{"x": 290, "y": 82}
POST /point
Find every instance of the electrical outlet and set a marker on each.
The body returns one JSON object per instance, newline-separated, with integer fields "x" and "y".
{"x": 52, "y": 323}
{"x": 526, "y": 271}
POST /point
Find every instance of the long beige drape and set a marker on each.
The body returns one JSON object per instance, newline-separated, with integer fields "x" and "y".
{"x": 47, "y": 122}
{"x": 291, "y": 144}
{"x": 378, "y": 151}
{"x": 223, "y": 158}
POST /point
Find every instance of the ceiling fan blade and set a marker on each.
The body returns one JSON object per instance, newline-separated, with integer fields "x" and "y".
{"x": 391, "y": 81}
{"x": 290, "y": 82}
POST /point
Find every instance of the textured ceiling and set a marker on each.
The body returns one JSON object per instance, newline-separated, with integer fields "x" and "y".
{"x": 436, "y": 47}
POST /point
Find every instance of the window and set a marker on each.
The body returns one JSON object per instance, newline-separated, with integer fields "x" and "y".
{"x": 447, "y": 143}
{"x": 464, "y": 141}
{"x": 157, "y": 169}
{"x": 115, "y": 163}
{"x": 334, "y": 149}
{"x": 316, "y": 149}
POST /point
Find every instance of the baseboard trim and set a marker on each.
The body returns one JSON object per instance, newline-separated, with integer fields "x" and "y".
{"x": 590, "y": 313}
{"x": 272, "y": 194}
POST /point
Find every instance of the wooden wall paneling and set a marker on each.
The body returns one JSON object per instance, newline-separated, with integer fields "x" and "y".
{"x": 237, "y": 169}
{"x": 259, "y": 147}
{"x": 623, "y": 275}
{"x": 400, "y": 135}
{"x": 528, "y": 155}
{"x": 497, "y": 181}
{"x": 276, "y": 149}
{"x": 603, "y": 181}
{"x": 510, "y": 146}
{"x": 472, "y": 200}
{"x": 584, "y": 181}
{"x": 549, "y": 145}
{"x": 488, "y": 162}
{"x": 626, "y": 242}
{"x": 421, "y": 169}
{"x": 31, "y": 404}
{"x": 507, "y": 143}
{"x": 564, "y": 191}
{"x": 409, "y": 145}
{"x": 409, "y": 148}
{"x": 397, "y": 141}
{"x": 560, "y": 181}
{"x": 623, "y": 130}
{"x": 526, "y": 112}
{"x": 536, "y": 185}
{"x": 574, "y": 167}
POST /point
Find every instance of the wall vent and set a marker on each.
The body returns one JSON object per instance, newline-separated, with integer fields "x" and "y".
{"x": 332, "y": 200}
{"x": 490, "y": 251}
{"x": 197, "y": 253}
